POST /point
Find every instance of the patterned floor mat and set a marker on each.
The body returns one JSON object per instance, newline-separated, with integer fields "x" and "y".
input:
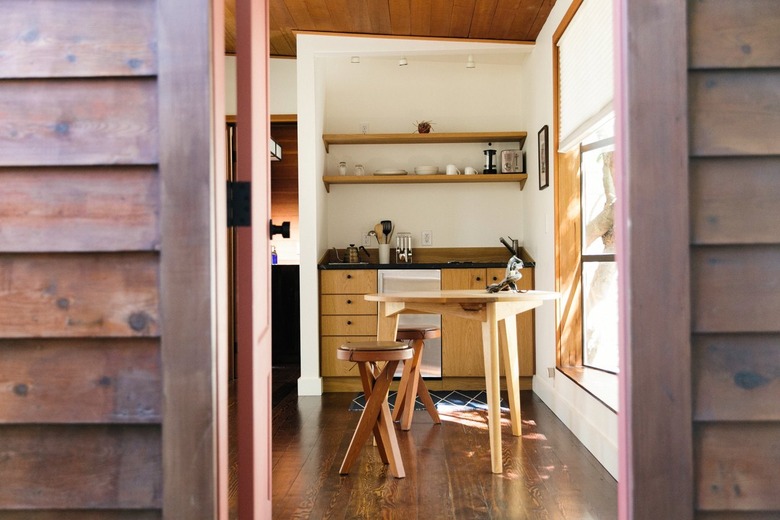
{"x": 445, "y": 400}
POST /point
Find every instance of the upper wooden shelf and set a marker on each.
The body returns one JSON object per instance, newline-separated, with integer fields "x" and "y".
{"x": 433, "y": 137}
{"x": 424, "y": 179}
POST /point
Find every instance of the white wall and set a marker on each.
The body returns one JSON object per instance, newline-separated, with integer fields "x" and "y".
{"x": 592, "y": 422}
{"x": 283, "y": 98}
{"x": 390, "y": 99}
{"x": 351, "y": 97}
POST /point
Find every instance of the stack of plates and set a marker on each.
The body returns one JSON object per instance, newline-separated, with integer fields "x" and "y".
{"x": 426, "y": 170}
{"x": 390, "y": 171}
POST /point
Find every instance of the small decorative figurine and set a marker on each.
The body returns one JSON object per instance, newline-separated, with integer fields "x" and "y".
{"x": 513, "y": 275}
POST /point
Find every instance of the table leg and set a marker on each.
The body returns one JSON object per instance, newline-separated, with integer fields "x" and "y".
{"x": 493, "y": 386}
{"x": 508, "y": 330}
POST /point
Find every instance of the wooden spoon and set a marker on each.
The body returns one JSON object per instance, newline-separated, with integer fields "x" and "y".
{"x": 380, "y": 236}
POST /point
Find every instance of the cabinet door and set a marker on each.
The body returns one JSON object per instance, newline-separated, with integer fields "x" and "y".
{"x": 525, "y": 322}
{"x": 461, "y": 340}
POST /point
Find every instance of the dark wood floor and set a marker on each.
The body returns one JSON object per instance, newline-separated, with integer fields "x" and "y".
{"x": 548, "y": 473}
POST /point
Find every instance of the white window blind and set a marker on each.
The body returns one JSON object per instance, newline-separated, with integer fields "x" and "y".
{"x": 585, "y": 56}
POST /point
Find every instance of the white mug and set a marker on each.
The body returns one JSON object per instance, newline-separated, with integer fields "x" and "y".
{"x": 470, "y": 171}
{"x": 452, "y": 170}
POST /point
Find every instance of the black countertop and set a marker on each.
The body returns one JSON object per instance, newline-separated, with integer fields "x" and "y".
{"x": 444, "y": 265}
{"x": 431, "y": 258}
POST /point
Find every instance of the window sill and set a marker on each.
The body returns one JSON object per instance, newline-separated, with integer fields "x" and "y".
{"x": 601, "y": 385}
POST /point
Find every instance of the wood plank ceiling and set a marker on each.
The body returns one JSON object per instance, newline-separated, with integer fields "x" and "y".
{"x": 510, "y": 20}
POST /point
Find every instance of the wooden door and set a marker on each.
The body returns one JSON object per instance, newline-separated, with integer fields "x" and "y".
{"x": 110, "y": 347}
{"x": 253, "y": 265}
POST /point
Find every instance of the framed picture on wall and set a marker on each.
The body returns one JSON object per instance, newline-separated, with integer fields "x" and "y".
{"x": 544, "y": 163}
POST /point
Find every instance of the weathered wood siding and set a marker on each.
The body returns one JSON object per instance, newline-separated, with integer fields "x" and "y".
{"x": 734, "y": 114}
{"x": 80, "y": 361}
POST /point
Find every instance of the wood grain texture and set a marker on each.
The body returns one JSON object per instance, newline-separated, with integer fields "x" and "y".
{"x": 49, "y": 38}
{"x": 75, "y": 295}
{"x": 734, "y": 200}
{"x": 190, "y": 289}
{"x": 548, "y": 472}
{"x": 78, "y": 122}
{"x": 80, "y": 467}
{"x": 346, "y": 304}
{"x": 568, "y": 257}
{"x": 728, "y": 33}
{"x": 734, "y": 289}
{"x": 461, "y": 339}
{"x": 652, "y": 128}
{"x": 348, "y": 281}
{"x": 82, "y": 514}
{"x": 348, "y": 325}
{"x": 736, "y": 377}
{"x": 87, "y": 209}
{"x": 735, "y": 112}
{"x": 736, "y": 467}
{"x": 80, "y": 381}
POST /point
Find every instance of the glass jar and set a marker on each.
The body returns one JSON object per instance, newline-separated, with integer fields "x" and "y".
{"x": 342, "y": 168}
{"x": 359, "y": 170}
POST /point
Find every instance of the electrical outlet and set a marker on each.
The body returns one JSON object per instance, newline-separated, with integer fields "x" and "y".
{"x": 363, "y": 128}
{"x": 427, "y": 238}
{"x": 367, "y": 240}
{"x": 551, "y": 372}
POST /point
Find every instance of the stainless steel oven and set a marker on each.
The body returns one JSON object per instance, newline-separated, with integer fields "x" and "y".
{"x": 395, "y": 280}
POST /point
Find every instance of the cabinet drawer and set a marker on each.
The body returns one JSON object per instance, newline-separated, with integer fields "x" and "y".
{"x": 349, "y": 325}
{"x": 353, "y": 281}
{"x": 330, "y": 366}
{"x": 463, "y": 279}
{"x": 346, "y": 304}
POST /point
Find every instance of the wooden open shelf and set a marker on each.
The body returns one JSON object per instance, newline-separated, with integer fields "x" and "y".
{"x": 424, "y": 179}
{"x": 432, "y": 138}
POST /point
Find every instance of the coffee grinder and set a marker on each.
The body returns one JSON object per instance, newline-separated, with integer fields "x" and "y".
{"x": 490, "y": 160}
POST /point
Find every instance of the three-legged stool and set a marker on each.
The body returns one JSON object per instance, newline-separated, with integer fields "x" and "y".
{"x": 376, "y": 414}
{"x": 412, "y": 384}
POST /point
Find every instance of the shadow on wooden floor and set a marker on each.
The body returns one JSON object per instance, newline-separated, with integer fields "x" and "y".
{"x": 548, "y": 473}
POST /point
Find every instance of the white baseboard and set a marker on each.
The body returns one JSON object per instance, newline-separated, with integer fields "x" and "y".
{"x": 310, "y": 386}
{"x": 589, "y": 420}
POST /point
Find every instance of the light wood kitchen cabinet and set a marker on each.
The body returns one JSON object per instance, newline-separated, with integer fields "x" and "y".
{"x": 462, "y": 339}
{"x": 345, "y": 315}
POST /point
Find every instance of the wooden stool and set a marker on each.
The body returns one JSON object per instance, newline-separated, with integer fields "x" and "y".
{"x": 412, "y": 383}
{"x": 376, "y": 414}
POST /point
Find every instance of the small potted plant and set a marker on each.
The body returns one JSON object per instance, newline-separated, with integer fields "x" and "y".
{"x": 424, "y": 127}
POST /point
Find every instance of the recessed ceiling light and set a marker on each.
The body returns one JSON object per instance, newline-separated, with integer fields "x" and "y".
{"x": 355, "y": 59}
{"x": 402, "y": 62}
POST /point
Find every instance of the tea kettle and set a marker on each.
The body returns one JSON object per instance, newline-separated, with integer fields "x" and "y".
{"x": 352, "y": 254}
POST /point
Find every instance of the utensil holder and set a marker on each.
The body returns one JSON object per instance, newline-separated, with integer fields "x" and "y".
{"x": 384, "y": 253}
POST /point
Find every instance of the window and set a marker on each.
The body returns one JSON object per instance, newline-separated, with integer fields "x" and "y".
{"x": 586, "y": 273}
{"x": 598, "y": 267}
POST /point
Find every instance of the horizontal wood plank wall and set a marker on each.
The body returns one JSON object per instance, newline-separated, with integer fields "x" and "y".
{"x": 735, "y": 258}
{"x": 81, "y": 398}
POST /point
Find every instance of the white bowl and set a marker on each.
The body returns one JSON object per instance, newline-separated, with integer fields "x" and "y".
{"x": 426, "y": 170}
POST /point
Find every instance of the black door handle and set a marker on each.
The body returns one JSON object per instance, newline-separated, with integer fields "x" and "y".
{"x": 284, "y": 229}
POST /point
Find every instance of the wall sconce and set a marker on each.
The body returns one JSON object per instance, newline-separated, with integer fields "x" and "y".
{"x": 470, "y": 62}
{"x": 355, "y": 59}
{"x": 402, "y": 62}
